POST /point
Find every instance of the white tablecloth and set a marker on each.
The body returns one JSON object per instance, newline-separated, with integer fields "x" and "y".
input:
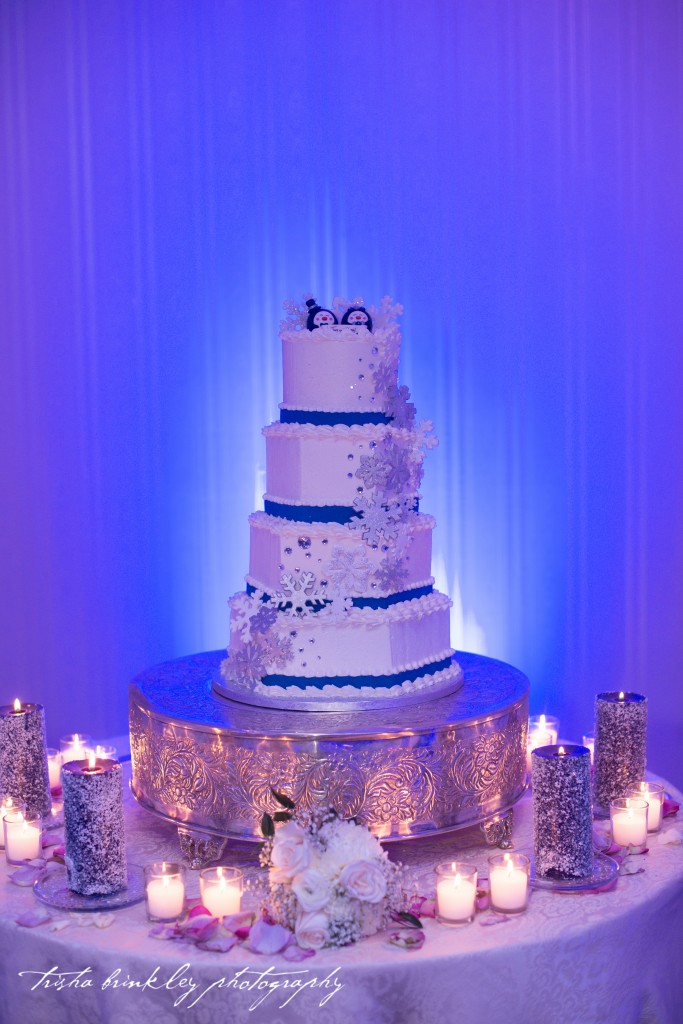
{"x": 571, "y": 959}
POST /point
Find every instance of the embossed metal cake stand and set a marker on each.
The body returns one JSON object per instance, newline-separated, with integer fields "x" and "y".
{"x": 207, "y": 763}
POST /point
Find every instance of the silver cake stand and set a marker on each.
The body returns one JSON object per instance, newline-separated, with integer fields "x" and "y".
{"x": 207, "y": 763}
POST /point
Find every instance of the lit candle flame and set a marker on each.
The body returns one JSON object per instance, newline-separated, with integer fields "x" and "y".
{"x": 509, "y": 867}
{"x": 92, "y": 761}
{"x": 541, "y": 721}
{"x": 621, "y": 695}
{"x": 17, "y": 704}
{"x": 562, "y": 751}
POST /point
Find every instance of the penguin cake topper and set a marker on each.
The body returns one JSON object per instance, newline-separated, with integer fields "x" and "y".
{"x": 357, "y": 316}
{"x": 318, "y": 316}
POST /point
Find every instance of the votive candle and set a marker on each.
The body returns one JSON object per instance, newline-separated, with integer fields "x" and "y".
{"x": 589, "y": 741}
{"x": 9, "y": 805}
{"x": 74, "y": 746}
{"x": 654, "y": 794}
{"x": 509, "y": 882}
{"x": 543, "y": 731}
{"x": 165, "y": 891}
{"x": 23, "y": 837}
{"x": 456, "y": 892}
{"x": 629, "y": 823}
{"x": 54, "y": 765}
{"x": 221, "y": 890}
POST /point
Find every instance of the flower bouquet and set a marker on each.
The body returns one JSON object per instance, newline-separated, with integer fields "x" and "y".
{"x": 330, "y": 881}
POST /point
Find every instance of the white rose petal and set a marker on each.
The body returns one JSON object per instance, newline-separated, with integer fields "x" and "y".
{"x": 312, "y": 889}
{"x": 291, "y": 853}
{"x": 312, "y": 930}
{"x": 364, "y": 880}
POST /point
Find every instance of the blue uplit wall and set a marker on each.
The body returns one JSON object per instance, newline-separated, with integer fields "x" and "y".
{"x": 510, "y": 171}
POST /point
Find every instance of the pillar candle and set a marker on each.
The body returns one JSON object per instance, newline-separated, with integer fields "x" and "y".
{"x": 563, "y": 822}
{"x": 620, "y": 745}
{"x": 23, "y": 756}
{"x": 95, "y": 854}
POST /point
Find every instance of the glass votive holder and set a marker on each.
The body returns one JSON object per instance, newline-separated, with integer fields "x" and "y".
{"x": 543, "y": 731}
{"x": 23, "y": 836}
{"x": 456, "y": 892}
{"x": 164, "y": 890}
{"x": 102, "y": 751}
{"x": 589, "y": 741}
{"x": 9, "y": 804}
{"x": 654, "y": 794}
{"x": 221, "y": 890}
{"x": 74, "y": 745}
{"x": 54, "y": 764}
{"x": 629, "y": 823}
{"x": 509, "y": 882}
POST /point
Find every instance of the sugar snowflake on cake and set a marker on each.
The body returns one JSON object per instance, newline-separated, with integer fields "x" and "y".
{"x": 296, "y": 314}
{"x": 245, "y": 607}
{"x": 348, "y": 571}
{"x": 376, "y": 520}
{"x": 301, "y": 594}
{"x": 391, "y": 575}
{"x": 399, "y": 407}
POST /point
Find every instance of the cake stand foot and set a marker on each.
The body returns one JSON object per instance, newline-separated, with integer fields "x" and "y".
{"x": 498, "y": 830}
{"x": 199, "y": 848}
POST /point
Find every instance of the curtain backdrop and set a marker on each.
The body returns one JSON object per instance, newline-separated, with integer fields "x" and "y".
{"x": 510, "y": 171}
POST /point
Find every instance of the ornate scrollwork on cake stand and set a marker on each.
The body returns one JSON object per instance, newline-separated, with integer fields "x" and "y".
{"x": 498, "y": 830}
{"x": 208, "y": 763}
{"x": 199, "y": 848}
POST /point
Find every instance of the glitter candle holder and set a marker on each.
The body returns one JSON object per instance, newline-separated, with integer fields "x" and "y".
{"x": 620, "y": 746}
{"x": 629, "y": 823}
{"x": 654, "y": 794}
{"x": 23, "y": 756}
{"x": 9, "y": 805}
{"x": 95, "y": 853}
{"x": 23, "y": 835}
{"x": 509, "y": 882}
{"x": 456, "y": 892}
{"x": 543, "y": 731}
{"x": 563, "y": 824}
{"x": 164, "y": 891}
{"x": 221, "y": 890}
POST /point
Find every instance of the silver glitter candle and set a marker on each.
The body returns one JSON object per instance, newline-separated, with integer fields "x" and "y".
{"x": 95, "y": 852}
{"x": 563, "y": 821}
{"x": 620, "y": 746}
{"x": 23, "y": 756}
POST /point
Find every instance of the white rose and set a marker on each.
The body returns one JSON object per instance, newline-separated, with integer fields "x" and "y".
{"x": 312, "y": 889}
{"x": 291, "y": 853}
{"x": 364, "y": 880}
{"x": 347, "y": 842}
{"x": 312, "y": 930}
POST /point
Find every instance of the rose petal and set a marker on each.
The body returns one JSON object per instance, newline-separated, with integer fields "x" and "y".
{"x": 162, "y": 931}
{"x": 268, "y": 938}
{"x": 295, "y": 954}
{"x": 670, "y": 807}
{"x": 219, "y": 943}
{"x": 199, "y": 911}
{"x": 33, "y": 918}
{"x": 103, "y": 920}
{"x": 671, "y": 837}
{"x": 24, "y": 876}
{"x": 489, "y": 920}
{"x": 37, "y": 862}
{"x": 241, "y": 922}
{"x": 630, "y": 866}
{"x": 50, "y": 839}
{"x": 59, "y": 925}
{"x": 407, "y": 938}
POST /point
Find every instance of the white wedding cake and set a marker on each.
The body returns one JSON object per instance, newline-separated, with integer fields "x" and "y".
{"x": 340, "y": 604}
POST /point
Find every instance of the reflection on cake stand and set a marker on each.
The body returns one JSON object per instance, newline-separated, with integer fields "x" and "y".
{"x": 207, "y": 762}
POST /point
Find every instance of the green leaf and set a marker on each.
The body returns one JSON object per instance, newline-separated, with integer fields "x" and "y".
{"x": 283, "y": 799}
{"x": 410, "y": 919}
{"x": 282, "y": 816}
{"x": 267, "y": 826}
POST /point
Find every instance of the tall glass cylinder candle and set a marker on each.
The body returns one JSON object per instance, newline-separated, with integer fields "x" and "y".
{"x": 654, "y": 794}
{"x": 95, "y": 853}
{"x": 563, "y": 822}
{"x": 620, "y": 745}
{"x": 23, "y": 756}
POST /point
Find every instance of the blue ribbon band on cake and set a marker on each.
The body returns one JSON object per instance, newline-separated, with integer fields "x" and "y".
{"x": 359, "y": 602}
{"x": 376, "y": 682}
{"x": 342, "y": 514}
{"x": 333, "y": 419}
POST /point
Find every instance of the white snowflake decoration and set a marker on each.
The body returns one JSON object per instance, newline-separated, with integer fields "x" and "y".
{"x": 296, "y": 314}
{"x": 348, "y": 571}
{"x": 376, "y": 520}
{"x": 391, "y": 576}
{"x": 301, "y": 594}
{"x": 244, "y": 607}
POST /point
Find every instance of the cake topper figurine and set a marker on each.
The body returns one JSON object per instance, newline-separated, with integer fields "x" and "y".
{"x": 357, "y": 316}
{"x": 319, "y": 317}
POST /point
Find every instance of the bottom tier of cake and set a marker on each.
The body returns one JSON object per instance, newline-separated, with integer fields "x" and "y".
{"x": 208, "y": 763}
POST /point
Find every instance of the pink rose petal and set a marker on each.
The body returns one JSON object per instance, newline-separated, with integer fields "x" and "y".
{"x": 295, "y": 954}
{"x": 241, "y": 922}
{"x": 268, "y": 938}
{"x": 199, "y": 911}
{"x": 24, "y": 876}
{"x": 670, "y": 807}
{"x": 407, "y": 938}
{"x": 489, "y": 920}
{"x": 34, "y": 918}
{"x": 162, "y": 931}
{"x": 221, "y": 943}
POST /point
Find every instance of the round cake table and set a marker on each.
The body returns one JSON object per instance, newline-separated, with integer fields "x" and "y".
{"x": 570, "y": 959}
